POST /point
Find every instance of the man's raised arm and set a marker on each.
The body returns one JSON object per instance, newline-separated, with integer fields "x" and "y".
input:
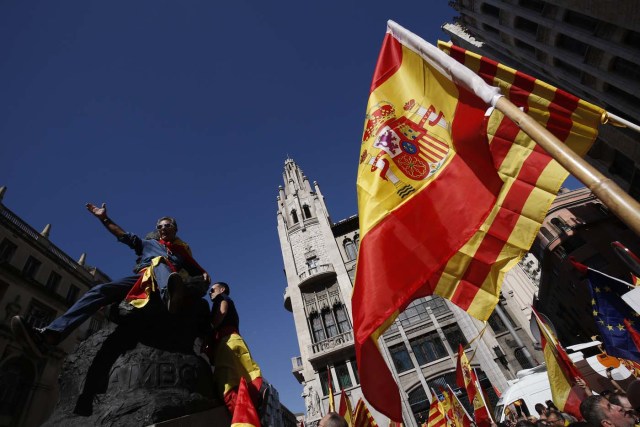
{"x": 101, "y": 214}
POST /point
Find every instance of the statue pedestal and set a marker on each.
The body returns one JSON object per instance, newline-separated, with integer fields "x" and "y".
{"x": 141, "y": 372}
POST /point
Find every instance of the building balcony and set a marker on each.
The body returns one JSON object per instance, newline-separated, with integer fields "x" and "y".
{"x": 287, "y": 300}
{"x": 338, "y": 342}
{"x": 297, "y": 367}
{"x": 315, "y": 274}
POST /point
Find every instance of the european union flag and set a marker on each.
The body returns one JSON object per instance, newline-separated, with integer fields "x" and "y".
{"x": 610, "y": 312}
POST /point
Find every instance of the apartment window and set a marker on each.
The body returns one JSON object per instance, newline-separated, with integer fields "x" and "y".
{"x": 454, "y": 336}
{"x": 572, "y": 45}
{"x": 7, "y": 249}
{"x": 31, "y": 268}
{"x": 400, "y": 357}
{"x": 522, "y": 360}
{"x": 581, "y": 21}
{"x": 491, "y": 10}
{"x": 525, "y": 46}
{"x": 39, "y": 315}
{"x": 72, "y": 294}
{"x": 565, "y": 66}
{"x": 560, "y": 224}
{"x": 294, "y": 216}
{"x": 496, "y": 323}
{"x": 526, "y": 25}
{"x": 350, "y": 249}
{"x": 535, "y": 5}
{"x": 344, "y": 380}
{"x": 324, "y": 381}
{"x": 329, "y": 323}
{"x": 428, "y": 348}
{"x": 53, "y": 281}
{"x": 354, "y": 368}
{"x": 546, "y": 233}
{"x": 415, "y": 312}
{"x": 438, "y": 305}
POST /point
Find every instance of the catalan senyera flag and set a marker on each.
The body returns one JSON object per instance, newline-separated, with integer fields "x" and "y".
{"x": 437, "y": 416}
{"x": 245, "y": 414}
{"x": 466, "y": 377}
{"x": 449, "y": 199}
{"x": 566, "y": 394}
{"x": 346, "y": 411}
{"x": 362, "y": 416}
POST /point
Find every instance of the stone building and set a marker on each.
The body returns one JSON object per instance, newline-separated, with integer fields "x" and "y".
{"x": 589, "y": 48}
{"x": 38, "y": 281}
{"x": 420, "y": 347}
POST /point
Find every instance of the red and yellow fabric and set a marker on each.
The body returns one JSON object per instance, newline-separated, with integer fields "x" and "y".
{"x": 635, "y": 279}
{"x": 346, "y": 411}
{"x": 140, "y": 292}
{"x": 332, "y": 401}
{"x": 362, "y": 417}
{"x": 234, "y": 364}
{"x": 472, "y": 278}
{"x": 466, "y": 377}
{"x": 448, "y": 199}
{"x": 459, "y": 416}
{"x": 245, "y": 414}
{"x": 437, "y": 417}
{"x": 566, "y": 394}
{"x": 394, "y": 424}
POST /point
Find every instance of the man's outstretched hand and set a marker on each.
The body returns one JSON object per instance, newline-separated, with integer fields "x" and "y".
{"x": 99, "y": 212}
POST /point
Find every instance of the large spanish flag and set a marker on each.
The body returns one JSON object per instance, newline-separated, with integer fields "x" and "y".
{"x": 566, "y": 394}
{"x": 450, "y": 194}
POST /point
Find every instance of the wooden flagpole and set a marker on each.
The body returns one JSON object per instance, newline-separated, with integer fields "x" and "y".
{"x": 615, "y": 198}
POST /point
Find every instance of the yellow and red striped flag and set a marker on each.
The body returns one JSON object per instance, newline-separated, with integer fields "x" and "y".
{"x": 566, "y": 394}
{"x": 448, "y": 199}
{"x": 245, "y": 414}
{"x": 346, "y": 411}
{"x": 437, "y": 416}
{"x": 362, "y": 416}
{"x": 466, "y": 377}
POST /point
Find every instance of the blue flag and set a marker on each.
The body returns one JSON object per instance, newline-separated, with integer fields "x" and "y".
{"x": 610, "y": 312}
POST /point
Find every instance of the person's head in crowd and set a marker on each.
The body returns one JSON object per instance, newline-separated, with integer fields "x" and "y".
{"x": 599, "y": 412}
{"x": 550, "y": 405}
{"x": 555, "y": 418}
{"x": 525, "y": 423}
{"x": 332, "y": 419}
{"x": 541, "y": 410}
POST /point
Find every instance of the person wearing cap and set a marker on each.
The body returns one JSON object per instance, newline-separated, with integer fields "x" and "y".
{"x": 599, "y": 412}
{"x": 158, "y": 264}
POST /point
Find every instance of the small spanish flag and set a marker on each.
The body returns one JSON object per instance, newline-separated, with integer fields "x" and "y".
{"x": 245, "y": 414}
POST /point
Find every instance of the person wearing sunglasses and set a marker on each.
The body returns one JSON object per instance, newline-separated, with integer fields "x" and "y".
{"x": 599, "y": 412}
{"x": 159, "y": 261}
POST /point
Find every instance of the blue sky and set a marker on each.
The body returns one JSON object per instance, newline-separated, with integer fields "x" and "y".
{"x": 189, "y": 109}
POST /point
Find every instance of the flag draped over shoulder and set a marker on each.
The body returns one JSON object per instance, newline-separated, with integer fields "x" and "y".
{"x": 437, "y": 416}
{"x": 345, "y": 410}
{"x": 448, "y": 199}
{"x": 245, "y": 414}
{"x": 466, "y": 377}
{"x": 562, "y": 373}
{"x": 362, "y": 416}
{"x": 615, "y": 320}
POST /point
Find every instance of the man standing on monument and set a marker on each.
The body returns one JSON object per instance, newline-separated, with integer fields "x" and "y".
{"x": 158, "y": 264}
{"x": 228, "y": 352}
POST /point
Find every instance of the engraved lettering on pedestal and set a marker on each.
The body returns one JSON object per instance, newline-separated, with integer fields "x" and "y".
{"x": 166, "y": 375}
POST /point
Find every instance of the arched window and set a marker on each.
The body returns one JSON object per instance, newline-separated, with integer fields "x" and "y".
{"x": 560, "y": 224}
{"x": 350, "y": 249}
{"x": 316, "y": 327}
{"x": 294, "y": 216}
{"x": 329, "y": 323}
{"x": 341, "y": 318}
{"x": 306, "y": 211}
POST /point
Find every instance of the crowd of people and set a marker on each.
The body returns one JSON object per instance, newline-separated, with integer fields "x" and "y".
{"x": 608, "y": 409}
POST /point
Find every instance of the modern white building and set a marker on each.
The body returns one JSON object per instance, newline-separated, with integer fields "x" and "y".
{"x": 319, "y": 261}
